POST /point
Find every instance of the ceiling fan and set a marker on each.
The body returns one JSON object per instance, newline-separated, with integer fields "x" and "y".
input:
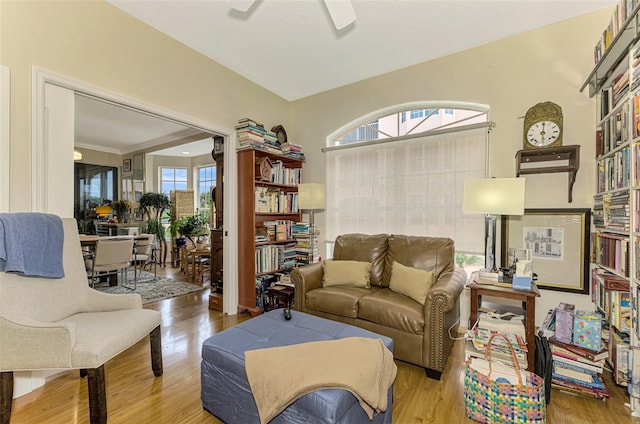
{"x": 341, "y": 11}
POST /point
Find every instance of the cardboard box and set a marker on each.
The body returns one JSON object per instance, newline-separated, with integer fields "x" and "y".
{"x": 564, "y": 322}
{"x": 587, "y": 330}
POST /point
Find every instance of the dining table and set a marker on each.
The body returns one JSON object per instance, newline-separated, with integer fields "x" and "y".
{"x": 88, "y": 243}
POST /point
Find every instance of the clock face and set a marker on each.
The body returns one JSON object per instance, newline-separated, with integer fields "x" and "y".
{"x": 543, "y": 133}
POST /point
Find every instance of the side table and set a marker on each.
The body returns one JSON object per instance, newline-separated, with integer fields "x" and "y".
{"x": 527, "y": 297}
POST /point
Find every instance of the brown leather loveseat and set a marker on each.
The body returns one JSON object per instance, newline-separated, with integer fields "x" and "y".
{"x": 422, "y": 334}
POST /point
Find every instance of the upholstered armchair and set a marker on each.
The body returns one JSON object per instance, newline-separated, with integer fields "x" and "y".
{"x": 63, "y": 324}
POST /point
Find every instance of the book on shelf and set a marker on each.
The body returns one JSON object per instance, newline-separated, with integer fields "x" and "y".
{"x": 585, "y": 353}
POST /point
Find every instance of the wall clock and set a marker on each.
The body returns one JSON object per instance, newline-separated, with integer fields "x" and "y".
{"x": 280, "y": 133}
{"x": 543, "y": 126}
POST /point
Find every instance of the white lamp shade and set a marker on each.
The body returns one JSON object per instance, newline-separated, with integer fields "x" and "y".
{"x": 311, "y": 196}
{"x": 494, "y": 196}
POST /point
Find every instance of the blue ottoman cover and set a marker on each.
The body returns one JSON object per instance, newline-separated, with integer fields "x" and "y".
{"x": 225, "y": 391}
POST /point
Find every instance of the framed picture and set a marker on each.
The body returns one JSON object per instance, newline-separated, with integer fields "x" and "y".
{"x": 126, "y": 165}
{"x": 559, "y": 243}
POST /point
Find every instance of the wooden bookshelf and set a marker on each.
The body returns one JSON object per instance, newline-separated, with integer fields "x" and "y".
{"x": 248, "y": 219}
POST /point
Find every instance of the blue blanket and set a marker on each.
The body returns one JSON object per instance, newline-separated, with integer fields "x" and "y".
{"x": 31, "y": 244}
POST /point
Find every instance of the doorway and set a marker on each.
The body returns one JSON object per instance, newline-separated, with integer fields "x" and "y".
{"x": 43, "y": 143}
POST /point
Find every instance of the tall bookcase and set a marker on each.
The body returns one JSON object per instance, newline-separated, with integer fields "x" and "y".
{"x": 615, "y": 282}
{"x": 267, "y": 202}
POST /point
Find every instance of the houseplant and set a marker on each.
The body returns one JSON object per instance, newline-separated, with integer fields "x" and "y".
{"x": 193, "y": 226}
{"x": 152, "y": 206}
{"x": 122, "y": 209}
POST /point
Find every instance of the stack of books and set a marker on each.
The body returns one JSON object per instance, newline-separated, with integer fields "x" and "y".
{"x": 252, "y": 135}
{"x": 476, "y": 345}
{"x": 578, "y": 370}
{"x": 292, "y": 150}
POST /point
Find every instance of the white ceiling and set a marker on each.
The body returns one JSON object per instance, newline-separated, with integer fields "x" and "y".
{"x": 291, "y": 47}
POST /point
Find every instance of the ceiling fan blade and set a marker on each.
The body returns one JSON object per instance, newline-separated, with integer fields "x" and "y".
{"x": 341, "y": 12}
{"x": 240, "y": 5}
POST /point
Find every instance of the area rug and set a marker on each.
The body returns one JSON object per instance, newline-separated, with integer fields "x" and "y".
{"x": 151, "y": 290}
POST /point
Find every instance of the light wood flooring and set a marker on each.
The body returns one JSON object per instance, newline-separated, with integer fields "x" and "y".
{"x": 135, "y": 396}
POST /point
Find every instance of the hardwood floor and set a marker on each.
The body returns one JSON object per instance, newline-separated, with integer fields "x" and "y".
{"x": 134, "y": 395}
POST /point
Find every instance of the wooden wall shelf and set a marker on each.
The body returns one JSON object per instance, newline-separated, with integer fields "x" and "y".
{"x": 542, "y": 161}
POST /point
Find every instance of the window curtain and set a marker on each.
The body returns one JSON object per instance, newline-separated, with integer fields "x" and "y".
{"x": 410, "y": 186}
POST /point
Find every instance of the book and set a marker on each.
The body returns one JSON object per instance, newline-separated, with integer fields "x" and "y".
{"x": 586, "y": 353}
{"x": 595, "y": 383}
{"x": 588, "y": 367}
{"x": 575, "y": 389}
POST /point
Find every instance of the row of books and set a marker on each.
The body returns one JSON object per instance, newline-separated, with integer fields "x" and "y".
{"x": 621, "y": 14}
{"x": 252, "y": 134}
{"x": 271, "y": 258}
{"x": 611, "y": 251}
{"x": 614, "y": 130}
{"x": 274, "y": 200}
{"x": 280, "y": 174}
{"x": 613, "y": 172}
{"x": 611, "y": 211}
{"x": 610, "y": 293}
{"x": 278, "y": 230}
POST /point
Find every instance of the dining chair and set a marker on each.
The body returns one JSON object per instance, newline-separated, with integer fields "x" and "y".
{"x": 110, "y": 257}
{"x": 143, "y": 255}
{"x": 63, "y": 324}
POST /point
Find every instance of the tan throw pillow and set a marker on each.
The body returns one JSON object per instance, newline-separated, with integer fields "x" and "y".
{"x": 412, "y": 282}
{"x": 346, "y": 273}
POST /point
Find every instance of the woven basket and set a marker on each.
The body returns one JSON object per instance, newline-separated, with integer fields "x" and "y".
{"x": 490, "y": 401}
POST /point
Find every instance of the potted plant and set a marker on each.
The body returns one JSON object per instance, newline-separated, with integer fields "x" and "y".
{"x": 122, "y": 209}
{"x": 152, "y": 206}
{"x": 193, "y": 226}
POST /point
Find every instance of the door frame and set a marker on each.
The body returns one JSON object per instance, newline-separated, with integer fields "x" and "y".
{"x": 40, "y": 147}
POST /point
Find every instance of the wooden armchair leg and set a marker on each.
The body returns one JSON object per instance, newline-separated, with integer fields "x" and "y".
{"x": 6, "y": 396}
{"x": 156, "y": 351}
{"x": 97, "y": 395}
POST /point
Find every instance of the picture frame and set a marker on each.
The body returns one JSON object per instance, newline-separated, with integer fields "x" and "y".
{"x": 126, "y": 165}
{"x": 559, "y": 243}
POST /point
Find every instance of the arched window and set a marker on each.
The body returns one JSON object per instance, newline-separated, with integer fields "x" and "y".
{"x": 401, "y": 170}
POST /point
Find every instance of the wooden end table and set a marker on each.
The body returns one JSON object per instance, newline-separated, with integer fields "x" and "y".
{"x": 505, "y": 291}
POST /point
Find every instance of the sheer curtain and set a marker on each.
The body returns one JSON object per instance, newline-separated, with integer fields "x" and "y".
{"x": 409, "y": 186}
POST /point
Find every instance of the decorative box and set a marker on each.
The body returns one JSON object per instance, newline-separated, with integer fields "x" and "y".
{"x": 587, "y": 330}
{"x": 564, "y": 322}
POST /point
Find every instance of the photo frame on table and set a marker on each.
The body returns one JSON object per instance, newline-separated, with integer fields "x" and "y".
{"x": 126, "y": 165}
{"x": 559, "y": 243}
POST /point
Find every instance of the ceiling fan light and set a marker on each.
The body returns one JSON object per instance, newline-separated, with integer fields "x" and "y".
{"x": 240, "y": 5}
{"x": 341, "y": 12}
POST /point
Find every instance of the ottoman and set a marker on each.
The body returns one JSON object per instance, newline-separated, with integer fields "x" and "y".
{"x": 225, "y": 391}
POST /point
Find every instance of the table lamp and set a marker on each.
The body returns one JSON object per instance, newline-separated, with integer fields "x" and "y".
{"x": 493, "y": 196}
{"x": 311, "y": 197}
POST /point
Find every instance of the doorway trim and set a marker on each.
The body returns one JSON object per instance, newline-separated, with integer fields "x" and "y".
{"x": 40, "y": 149}
{"x": 5, "y": 136}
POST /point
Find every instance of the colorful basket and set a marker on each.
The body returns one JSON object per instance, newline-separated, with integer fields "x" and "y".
{"x": 490, "y": 401}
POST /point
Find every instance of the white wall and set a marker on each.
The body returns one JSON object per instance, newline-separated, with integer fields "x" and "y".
{"x": 510, "y": 76}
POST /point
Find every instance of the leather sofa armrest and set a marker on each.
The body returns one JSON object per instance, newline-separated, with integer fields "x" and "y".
{"x": 448, "y": 287}
{"x": 442, "y": 318}
{"x": 304, "y": 279}
{"x": 27, "y": 344}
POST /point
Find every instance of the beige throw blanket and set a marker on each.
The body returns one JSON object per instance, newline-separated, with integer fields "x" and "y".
{"x": 279, "y": 376}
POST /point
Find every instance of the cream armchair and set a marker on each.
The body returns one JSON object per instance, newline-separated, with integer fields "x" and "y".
{"x": 62, "y": 324}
